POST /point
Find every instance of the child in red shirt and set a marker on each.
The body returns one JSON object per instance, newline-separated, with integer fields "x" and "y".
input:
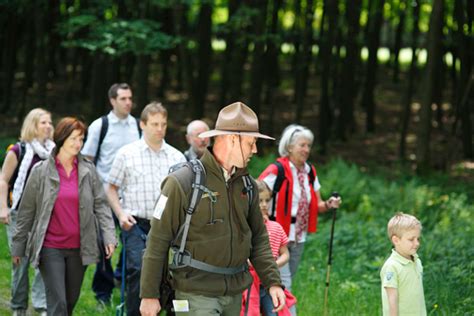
{"x": 259, "y": 299}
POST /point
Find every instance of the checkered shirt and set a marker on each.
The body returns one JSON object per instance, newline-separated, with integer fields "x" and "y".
{"x": 138, "y": 172}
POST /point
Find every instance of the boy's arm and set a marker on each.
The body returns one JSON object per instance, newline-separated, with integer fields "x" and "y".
{"x": 284, "y": 256}
{"x": 392, "y": 294}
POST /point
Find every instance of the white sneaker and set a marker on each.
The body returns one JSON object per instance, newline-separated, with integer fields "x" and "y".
{"x": 43, "y": 313}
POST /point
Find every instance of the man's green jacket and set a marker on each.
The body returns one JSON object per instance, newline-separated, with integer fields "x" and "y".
{"x": 236, "y": 234}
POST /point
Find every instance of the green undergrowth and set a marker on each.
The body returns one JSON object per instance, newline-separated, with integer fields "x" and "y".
{"x": 361, "y": 244}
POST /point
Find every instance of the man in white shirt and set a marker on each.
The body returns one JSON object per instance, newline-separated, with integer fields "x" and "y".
{"x": 106, "y": 135}
{"x": 137, "y": 171}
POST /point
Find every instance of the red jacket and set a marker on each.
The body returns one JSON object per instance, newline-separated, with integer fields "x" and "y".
{"x": 282, "y": 217}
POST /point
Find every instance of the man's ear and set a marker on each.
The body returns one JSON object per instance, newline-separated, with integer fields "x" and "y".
{"x": 142, "y": 124}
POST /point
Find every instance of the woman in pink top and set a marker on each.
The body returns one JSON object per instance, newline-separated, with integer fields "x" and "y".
{"x": 64, "y": 209}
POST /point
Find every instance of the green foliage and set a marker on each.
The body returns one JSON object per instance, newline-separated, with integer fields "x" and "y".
{"x": 361, "y": 244}
{"x": 4, "y": 143}
{"x": 115, "y": 37}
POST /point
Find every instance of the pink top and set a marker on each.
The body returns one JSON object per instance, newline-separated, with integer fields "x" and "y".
{"x": 64, "y": 226}
{"x": 277, "y": 237}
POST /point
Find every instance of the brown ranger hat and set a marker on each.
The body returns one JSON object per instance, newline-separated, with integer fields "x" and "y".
{"x": 236, "y": 118}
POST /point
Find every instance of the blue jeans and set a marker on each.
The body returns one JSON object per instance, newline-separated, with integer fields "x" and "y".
{"x": 266, "y": 304}
{"x": 135, "y": 242}
{"x": 103, "y": 281}
{"x": 20, "y": 280}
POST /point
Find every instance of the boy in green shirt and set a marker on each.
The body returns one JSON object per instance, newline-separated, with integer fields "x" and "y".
{"x": 402, "y": 273}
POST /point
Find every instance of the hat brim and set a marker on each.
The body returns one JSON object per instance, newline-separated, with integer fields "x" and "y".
{"x": 216, "y": 132}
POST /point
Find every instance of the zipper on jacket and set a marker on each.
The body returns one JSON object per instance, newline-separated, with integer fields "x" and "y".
{"x": 231, "y": 209}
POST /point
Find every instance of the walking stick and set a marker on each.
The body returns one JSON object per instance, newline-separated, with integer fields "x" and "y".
{"x": 326, "y": 292}
{"x": 120, "y": 309}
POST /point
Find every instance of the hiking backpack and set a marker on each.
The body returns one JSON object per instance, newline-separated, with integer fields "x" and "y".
{"x": 103, "y": 131}
{"x": 194, "y": 170}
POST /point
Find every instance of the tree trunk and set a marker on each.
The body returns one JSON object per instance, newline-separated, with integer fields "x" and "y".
{"x": 258, "y": 62}
{"x": 327, "y": 41}
{"x": 303, "y": 60}
{"x": 464, "y": 101}
{"x": 97, "y": 86}
{"x": 398, "y": 39}
{"x": 204, "y": 62}
{"x": 434, "y": 55}
{"x": 10, "y": 49}
{"x": 42, "y": 46}
{"x": 346, "y": 121}
{"x": 165, "y": 55}
{"x": 230, "y": 43}
{"x": 405, "y": 119}
{"x": 375, "y": 24}
{"x": 272, "y": 71}
{"x": 141, "y": 82}
{"x": 185, "y": 68}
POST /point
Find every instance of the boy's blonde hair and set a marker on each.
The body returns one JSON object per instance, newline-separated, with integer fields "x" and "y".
{"x": 401, "y": 223}
{"x": 262, "y": 186}
{"x": 29, "y": 129}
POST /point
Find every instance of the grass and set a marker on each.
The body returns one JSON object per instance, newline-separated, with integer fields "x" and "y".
{"x": 361, "y": 245}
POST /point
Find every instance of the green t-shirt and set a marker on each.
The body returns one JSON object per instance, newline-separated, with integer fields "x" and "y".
{"x": 406, "y": 276}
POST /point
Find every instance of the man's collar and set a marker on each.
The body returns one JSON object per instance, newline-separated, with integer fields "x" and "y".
{"x": 113, "y": 118}
{"x": 144, "y": 146}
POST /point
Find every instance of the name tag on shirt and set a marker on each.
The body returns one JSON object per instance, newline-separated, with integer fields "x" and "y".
{"x": 181, "y": 305}
{"x": 160, "y": 206}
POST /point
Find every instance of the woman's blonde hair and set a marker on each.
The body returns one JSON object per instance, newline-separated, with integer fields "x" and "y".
{"x": 29, "y": 129}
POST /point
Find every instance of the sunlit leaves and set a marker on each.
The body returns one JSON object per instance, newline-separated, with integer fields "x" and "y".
{"x": 115, "y": 37}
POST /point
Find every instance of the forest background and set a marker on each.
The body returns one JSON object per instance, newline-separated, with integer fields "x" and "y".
{"x": 385, "y": 85}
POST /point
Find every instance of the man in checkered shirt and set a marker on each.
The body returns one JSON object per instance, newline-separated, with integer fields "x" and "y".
{"x": 137, "y": 172}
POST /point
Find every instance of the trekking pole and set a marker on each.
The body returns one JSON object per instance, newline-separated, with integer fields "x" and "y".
{"x": 326, "y": 292}
{"x": 120, "y": 309}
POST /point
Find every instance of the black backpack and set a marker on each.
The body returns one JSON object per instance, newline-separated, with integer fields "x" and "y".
{"x": 103, "y": 131}
{"x": 278, "y": 183}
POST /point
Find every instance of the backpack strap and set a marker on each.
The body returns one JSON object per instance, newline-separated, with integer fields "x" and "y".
{"x": 103, "y": 131}
{"x": 276, "y": 188}
{"x": 138, "y": 127}
{"x": 249, "y": 189}
{"x": 311, "y": 175}
{"x": 180, "y": 256}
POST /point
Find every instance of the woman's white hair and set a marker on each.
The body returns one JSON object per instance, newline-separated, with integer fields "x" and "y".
{"x": 290, "y": 135}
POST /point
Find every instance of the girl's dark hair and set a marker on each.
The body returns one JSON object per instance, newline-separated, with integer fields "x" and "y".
{"x": 64, "y": 128}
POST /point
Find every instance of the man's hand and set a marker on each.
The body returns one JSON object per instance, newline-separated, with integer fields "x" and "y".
{"x": 127, "y": 221}
{"x": 278, "y": 298}
{"x": 16, "y": 260}
{"x": 5, "y": 216}
{"x": 150, "y": 306}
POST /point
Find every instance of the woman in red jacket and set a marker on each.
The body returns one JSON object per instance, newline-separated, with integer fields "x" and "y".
{"x": 298, "y": 200}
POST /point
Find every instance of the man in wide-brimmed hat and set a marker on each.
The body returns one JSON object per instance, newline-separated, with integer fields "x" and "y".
{"x": 226, "y": 228}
